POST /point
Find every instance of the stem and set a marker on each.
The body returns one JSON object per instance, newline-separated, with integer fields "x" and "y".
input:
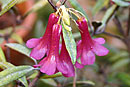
{"x": 54, "y": 7}
{"x": 128, "y": 29}
{"x": 119, "y": 26}
{"x": 74, "y": 80}
{"x": 32, "y": 84}
{"x": 112, "y": 35}
{"x": 64, "y": 2}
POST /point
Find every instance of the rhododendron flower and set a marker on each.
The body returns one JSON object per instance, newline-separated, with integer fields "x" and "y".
{"x": 42, "y": 45}
{"x": 64, "y": 63}
{"x": 48, "y": 64}
{"x": 88, "y": 47}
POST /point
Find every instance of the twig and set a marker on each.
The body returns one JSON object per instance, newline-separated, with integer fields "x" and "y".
{"x": 128, "y": 29}
{"x": 32, "y": 84}
{"x": 54, "y": 7}
{"x": 119, "y": 26}
{"x": 64, "y": 2}
{"x": 74, "y": 80}
{"x": 112, "y": 35}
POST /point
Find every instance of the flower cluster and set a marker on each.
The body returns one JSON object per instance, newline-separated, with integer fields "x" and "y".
{"x": 55, "y": 56}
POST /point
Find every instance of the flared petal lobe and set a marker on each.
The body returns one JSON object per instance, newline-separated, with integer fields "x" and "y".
{"x": 42, "y": 45}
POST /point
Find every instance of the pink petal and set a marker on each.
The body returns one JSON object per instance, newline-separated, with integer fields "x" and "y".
{"x": 33, "y": 42}
{"x": 99, "y": 40}
{"x": 78, "y": 65}
{"x": 87, "y": 57}
{"x": 48, "y": 66}
{"x": 38, "y": 53}
{"x": 100, "y": 50}
{"x": 61, "y": 67}
{"x": 79, "y": 49}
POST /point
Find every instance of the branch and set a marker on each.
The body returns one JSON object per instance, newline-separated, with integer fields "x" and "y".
{"x": 119, "y": 26}
{"x": 128, "y": 29}
{"x": 112, "y": 35}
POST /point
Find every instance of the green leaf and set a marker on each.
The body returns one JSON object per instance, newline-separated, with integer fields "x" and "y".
{"x": 77, "y": 6}
{"x": 70, "y": 44}
{"x": 51, "y": 76}
{"x": 122, "y": 3}
{"x": 17, "y": 38}
{"x": 11, "y": 74}
{"x": 5, "y": 65}
{"x": 99, "y": 5}
{"x": 120, "y": 63}
{"x": 107, "y": 16}
{"x": 22, "y": 49}
{"x": 66, "y": 17}
{"x": 124, "y": 78}
{"x": 1, "y": 40}
{"x": 81, "y": 83}
{"x": 2, "y": 56}
{"x": 6, "y": 5}
{"x": 24, "y": 81}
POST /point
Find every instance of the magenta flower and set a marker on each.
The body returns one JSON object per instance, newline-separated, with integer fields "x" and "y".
{"x": 64, "y": 63}
{"x": 88, "y": 47}
{"x": 48, "y": 64}
{"x": 41, "y": 45}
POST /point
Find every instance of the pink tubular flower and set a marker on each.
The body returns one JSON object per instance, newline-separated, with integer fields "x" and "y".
{"x": 88, "y": 46}
{"x": 64, "y": 63}
{"x": 42, "y": 45}
{"x": 48, "y": 64}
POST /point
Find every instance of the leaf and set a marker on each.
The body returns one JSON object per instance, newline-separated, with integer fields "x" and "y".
{"x": 5, "y": 65}
{"x": 48, "y": 83}
{"x": 20, "y": 48}
{"x": 17, "y": 38}
{"x": 6, "y": 5}
{"x": 65, "y": 17}
{"x": 11, "y": 74}
{"x": 99, "y": 5}
{"x": 77, "y": 6}
{"x": 120, "y": 63}
{"x": 24, "y": 81}
{"x": 70, "y": 44}
{"x": 121, "y": 3}
{"x": 124, "y": 78}
{"x": 2, "y": 56}
{"x": 1, "y": 40}
{"x": 81, "y": 83}
{"x": 107, "y": 17}
{"x": 51, "y": 76}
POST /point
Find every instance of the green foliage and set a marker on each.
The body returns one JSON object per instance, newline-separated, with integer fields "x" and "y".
{"x": 2, "y": 56}
{"x": 24, "y": 81}
{"x": 122, "y": 3}
{"x": 70, "y": 44}
{"x": 99, "y": 5}
{"x": 20, "y": 48}
{"x": 11, "y": 74}
{"x": 6, "y": 5}
{"x": 124, "y": 78}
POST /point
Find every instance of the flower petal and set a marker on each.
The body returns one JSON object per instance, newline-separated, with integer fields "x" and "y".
{"x": 48, "y": 66}
{"x": 33, "y": 42}
{"x": 100, "y": 50}
{"x": 78, "y": 65}
{"x": 87, "y": 57}
{"x": 79, "y": 49}
{"x": 38, "y": 52}
{"x": 99, "y": 40}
